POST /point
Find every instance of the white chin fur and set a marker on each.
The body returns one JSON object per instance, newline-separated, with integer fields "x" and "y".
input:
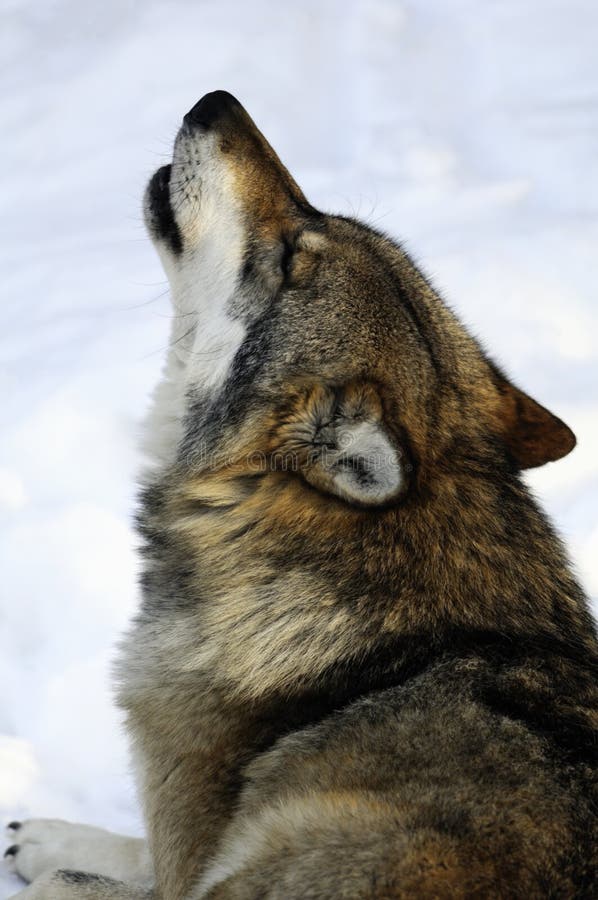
{"x": 204, "y": 335}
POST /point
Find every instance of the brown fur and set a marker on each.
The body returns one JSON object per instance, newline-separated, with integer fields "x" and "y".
{"x": 334, "y": 697}
{"x": 443, "y": 628}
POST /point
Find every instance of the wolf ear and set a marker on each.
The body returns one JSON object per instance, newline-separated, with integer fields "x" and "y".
{"x": 532, "y": 434}
{"x": 358, "y": 463}
{"x": 344, "y": 446}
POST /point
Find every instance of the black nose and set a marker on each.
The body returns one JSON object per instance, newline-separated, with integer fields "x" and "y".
{"x": 210, "y": 108}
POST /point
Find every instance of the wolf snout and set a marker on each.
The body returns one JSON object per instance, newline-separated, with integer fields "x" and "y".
{"x": 211, "y": 109}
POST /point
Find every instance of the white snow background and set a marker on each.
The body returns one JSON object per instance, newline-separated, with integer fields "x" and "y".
{"x": 468, "y": 129}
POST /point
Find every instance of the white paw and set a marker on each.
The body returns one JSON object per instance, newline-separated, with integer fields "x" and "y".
{"x": 41, "y": 846}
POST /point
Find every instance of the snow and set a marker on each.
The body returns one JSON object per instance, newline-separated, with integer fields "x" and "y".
{"x": 468, "y": 129}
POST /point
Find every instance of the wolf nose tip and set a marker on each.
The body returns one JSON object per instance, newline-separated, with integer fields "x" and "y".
{"x": 210, "y": 108}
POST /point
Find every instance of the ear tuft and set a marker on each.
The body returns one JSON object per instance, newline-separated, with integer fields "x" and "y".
{"x": 532, "y": 434}
{"x": 358, "y": 464}
{"x": 344, "y": 445}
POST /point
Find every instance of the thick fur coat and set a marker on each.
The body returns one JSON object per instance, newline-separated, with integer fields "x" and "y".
{"x": 362, "y": 667}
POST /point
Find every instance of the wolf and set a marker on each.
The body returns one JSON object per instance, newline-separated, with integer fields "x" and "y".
{"x": 362, "y": 666}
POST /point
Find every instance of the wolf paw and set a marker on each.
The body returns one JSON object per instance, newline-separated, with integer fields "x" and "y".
{"x": 41, "y": 846}
{"x": 38, "y": 846}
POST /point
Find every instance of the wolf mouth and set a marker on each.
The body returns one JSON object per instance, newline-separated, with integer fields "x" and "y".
{"x": 159, "y": 212}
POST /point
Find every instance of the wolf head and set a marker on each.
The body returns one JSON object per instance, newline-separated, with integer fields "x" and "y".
{"x": 309, "y": 342}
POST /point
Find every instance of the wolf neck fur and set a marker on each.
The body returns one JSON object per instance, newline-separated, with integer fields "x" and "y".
{"x": 502, "y": 564}
{"x": 468, "y": 554}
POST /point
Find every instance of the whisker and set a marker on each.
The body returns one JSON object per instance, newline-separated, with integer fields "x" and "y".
{"x": 172, "y": 344}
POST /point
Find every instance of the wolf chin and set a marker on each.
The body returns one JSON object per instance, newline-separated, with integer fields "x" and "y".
{"x": 362, "y": 667}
